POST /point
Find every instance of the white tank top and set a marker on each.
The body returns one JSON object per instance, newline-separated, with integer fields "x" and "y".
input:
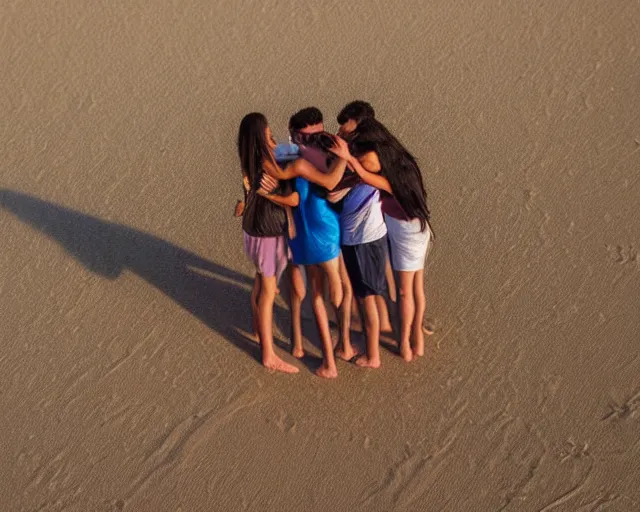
{"x": 361, "y": 220}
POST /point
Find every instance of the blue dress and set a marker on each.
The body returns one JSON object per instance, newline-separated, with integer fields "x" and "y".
{"x": 317, "y": 227}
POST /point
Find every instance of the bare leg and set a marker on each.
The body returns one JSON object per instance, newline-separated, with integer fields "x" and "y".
{"x": 331, "y": 269}
{"x": 345, "y": 350}
{"x": 355, "y": 314}
{"x": 346, "y": 309}
{"x": 369, "y": 311}
{"x": 265, "y": 310}
{"x": 383, "y": 309}
{"x": 296, "y": 297}
{"x": 391, "y": 282}
{"x": 383, "y": 314}
{"x": 316, "y": 276}
{"x": 421, "y": 305}
{"x": 407, "y": 309}
{"x": 255, "y": 293}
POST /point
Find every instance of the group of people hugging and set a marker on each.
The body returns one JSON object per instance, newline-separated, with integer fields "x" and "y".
{"x": 351, "y": 211}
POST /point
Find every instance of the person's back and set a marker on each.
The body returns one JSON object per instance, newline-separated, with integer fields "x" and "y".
{"x": 361, "y": 219}
{"x": 364, "y": 249}
{"x": 261, "y": 217}
{"x": 317, "y": 224}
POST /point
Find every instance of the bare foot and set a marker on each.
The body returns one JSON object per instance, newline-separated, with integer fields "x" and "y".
{"x": 278, "y": 365}
{"x": 364, "y": 362}
{"x": 327, "y": 373}
{"x": 406, "y": 353}
{"x": 347, "y": 355}
{"x": 418, "y": 345}
{"x": 297, "y": 352}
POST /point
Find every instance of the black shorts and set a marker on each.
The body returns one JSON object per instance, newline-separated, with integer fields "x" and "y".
{"x": 366, "y": 267}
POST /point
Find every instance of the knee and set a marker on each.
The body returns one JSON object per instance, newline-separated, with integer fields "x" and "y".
{"x": 404, "y": 292}
{"x": 269, "y": 295}
{"x": 337, "y": 297}
{"x": 336, "y": 302}
{"x": 317, "y": 302}
{"x": 298, "y": 292}
{"x": 347, "y": 294}
{"x": 372, "y": 323}
{"x": 317, "y": 292}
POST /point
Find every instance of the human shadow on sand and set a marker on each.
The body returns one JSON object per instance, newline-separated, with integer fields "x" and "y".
{"x": 218, "y": 296}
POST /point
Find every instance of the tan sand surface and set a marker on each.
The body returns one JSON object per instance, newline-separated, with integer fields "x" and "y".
{"x": 125, "y": 380}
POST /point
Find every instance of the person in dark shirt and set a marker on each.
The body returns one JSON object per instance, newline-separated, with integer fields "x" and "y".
{"x": 264, "y": 224}
{"x": 267, "y": 217}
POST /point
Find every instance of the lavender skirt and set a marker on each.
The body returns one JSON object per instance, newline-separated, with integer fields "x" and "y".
{"x": 270, "y": 254}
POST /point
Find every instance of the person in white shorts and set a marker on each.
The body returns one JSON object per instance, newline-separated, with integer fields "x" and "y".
{"x": 382, "y": 162}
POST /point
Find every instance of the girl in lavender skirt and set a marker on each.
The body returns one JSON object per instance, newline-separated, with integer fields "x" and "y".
{"x": 264, "y": 225}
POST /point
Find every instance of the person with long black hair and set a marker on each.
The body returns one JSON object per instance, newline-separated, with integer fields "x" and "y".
{"x": 383, "y": 162}
{"x": 265, "y": 220}
{"x": 348, "y": 118}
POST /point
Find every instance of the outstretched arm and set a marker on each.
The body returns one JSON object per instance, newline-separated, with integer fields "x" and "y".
{"x": 306, "y": 170}
{"x": 272, "y": 168}
{"x": 368, "y": 168}
{"x": 329, "y": 181}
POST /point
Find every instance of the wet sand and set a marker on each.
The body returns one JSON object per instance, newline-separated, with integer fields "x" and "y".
{"x": 126, "y": 379}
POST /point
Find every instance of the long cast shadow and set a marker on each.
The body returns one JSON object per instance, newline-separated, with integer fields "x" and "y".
{"x": 218, "y": 296}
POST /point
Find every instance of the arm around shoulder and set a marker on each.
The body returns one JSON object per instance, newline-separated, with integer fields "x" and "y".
{"x": 373, "y": 178}
{"x": 329, "y": 181}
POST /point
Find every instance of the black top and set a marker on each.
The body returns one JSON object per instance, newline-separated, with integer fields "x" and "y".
{"x": 261, "y": 217}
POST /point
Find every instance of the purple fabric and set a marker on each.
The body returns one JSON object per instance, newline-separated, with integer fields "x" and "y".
{"x": 269, "y": 254}
{"x": 392, "y": 208}
{"x": 316, "y": 157}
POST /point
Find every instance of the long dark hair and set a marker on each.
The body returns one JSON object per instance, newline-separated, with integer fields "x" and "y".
{"x": 398, "y": 166}
{"x": 252, "y": 145}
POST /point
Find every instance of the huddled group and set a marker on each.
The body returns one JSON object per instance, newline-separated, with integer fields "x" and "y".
{"x": 345, "y": 209}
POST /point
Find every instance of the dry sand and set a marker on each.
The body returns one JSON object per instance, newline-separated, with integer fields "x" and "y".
{"x": 125, "y": 381}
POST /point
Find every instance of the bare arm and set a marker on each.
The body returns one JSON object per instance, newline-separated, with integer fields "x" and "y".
{"x": 368, "y": 168}
{"x": 371, "y": 162}
{"x": 240, "y": 204}
{"x": 272, "y": 168}
{"x": 292, "y": 199}
{"x": 329, "y": 180}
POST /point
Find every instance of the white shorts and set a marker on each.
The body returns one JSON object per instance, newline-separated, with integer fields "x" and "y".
{"x": 408, "y": 244}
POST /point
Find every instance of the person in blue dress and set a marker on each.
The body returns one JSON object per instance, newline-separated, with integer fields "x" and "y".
{"x": 316, "y": 245}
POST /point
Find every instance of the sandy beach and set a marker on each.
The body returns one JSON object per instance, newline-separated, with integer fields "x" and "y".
{"x": 127, "y": 381}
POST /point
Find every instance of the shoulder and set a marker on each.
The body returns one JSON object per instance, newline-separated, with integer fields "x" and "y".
{"x": 302, "y": 166}
{"x": 370, "y": 161}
